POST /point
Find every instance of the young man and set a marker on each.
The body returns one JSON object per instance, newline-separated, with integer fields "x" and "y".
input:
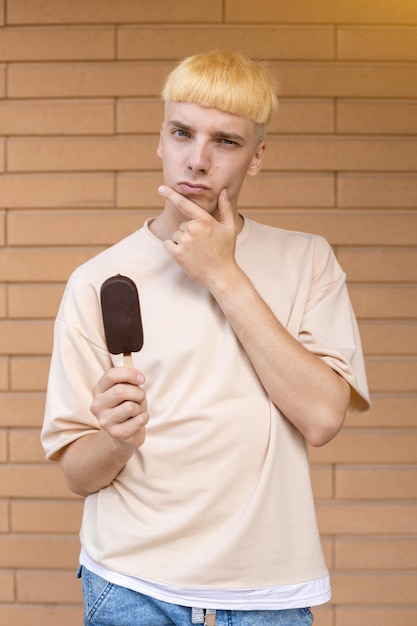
{"x": 194, "y": 465}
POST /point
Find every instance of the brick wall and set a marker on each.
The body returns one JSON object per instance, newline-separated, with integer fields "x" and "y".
{"x": 79, "y": 118}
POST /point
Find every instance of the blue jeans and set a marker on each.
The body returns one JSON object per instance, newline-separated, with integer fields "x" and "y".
{"x": 106, "y": 604}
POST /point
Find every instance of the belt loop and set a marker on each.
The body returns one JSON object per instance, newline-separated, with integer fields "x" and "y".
{"x": 197, "y": 616}
{"x": 201, "y": 616}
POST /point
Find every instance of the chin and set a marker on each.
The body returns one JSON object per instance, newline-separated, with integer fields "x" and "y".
{"x": 206, "y": 206}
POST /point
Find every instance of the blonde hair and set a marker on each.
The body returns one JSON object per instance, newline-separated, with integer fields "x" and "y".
{"x": 227, "y": 81}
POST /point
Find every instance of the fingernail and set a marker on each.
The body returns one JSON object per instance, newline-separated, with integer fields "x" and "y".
{"x": 161, "y": 190}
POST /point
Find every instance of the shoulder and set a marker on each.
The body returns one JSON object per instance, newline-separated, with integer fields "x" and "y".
{"x": 110, "y": 261}
{"x": 291, "y": 240}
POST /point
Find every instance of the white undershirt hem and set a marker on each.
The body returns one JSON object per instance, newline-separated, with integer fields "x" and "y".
{"x": 306, "y": 594}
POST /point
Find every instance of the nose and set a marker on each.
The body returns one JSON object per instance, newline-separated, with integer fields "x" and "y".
{"x": 198, "y": 157}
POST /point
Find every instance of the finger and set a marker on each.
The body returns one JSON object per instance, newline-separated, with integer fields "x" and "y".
{"x": 122, "y": 393}
{"x": 118, "y": 405}
{"x": 187, "y": 207}
{"x": 126, "y": 411}
{"x": 226, "y": 214}
{"x": 170, "y": 247}
{"x": 129, "y": 429}
{"x": 117, "y": 375}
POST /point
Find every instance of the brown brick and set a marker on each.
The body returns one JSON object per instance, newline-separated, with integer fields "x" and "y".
{"x": 38, "y": 615}
{"x": 376, "y": 483}
{"x": 113, "y": 11}
{"x": 376, "y": 43}
{"x": 4, "y": 516}
{"x": 367, "y": 518}
{"x": 387, "y": 411}
{"x": 322, "y": 12}
{"x": 340, "y": 163}
{"x": 338, "y": 153}
{"x": 34, "y": 301}
{"x": 296, "y": 115}
{"x": 2, "y": 301}
{"x": 351, "y": 227}
{"x": 322, "y": 481}
{"x": 21, "y": 409}
{"x": 2, "y": 155}
{"x": 392, "y": 375}
{"x": 57, "y": 43}
{"x": 388, "y": 554}
{"x": 69, "y": 228}
{"x": 3, "y": 446}
{"x": 379, "y": 589}
{"x": 377, "y": 117}
{"x": 92, "y": 154}
{"x": 371, "y": 190}
{"x": 369, "y": 447}
{"x": 25, "y": 446}
{"x": 29, "y": 373}
{"x": 65, "y": 80}
{"x": 26, "y": 337}
{"x": 139, "y": 115}
{"x": 47, "y": 552}
{"x": 7, "y": 586}
{"x": 49, "y": 265}
{"x": 300, "y": 190}
{"x": 33, "y": 481}
{"x": 2, "y": 80}
{"x": 379, "y": 264}
{"x": 264, "y": 42}
{"x": 384, "y": 302}
{"x": 2, "y": 229}
{"x": 139, "y": 190}
{"x": 4, "y": 373}
{"x": 383, "y": 616}
{"x": 300, "y": 116}
{"x": 44, "y": 516}
{"x": 56, "y": 190}
{"x": 49, "y": 587}
{"x": 56, "y": 117}
{"x": 347, "y": 80}
{"x": 389, "y": 338}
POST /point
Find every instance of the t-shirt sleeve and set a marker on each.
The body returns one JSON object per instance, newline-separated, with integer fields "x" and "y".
{"x": 329, "y": 328}
{"x": 76, "y": 366}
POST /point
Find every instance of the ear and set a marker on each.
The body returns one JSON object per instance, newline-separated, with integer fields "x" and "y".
{"x": 159, "y": 150}
{"x": 257, "y": 159}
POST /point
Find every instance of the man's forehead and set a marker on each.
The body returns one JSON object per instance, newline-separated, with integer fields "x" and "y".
{"x": 196, "y": 116}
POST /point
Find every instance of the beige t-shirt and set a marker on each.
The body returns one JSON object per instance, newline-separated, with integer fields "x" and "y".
{"x": 219, "y": 495}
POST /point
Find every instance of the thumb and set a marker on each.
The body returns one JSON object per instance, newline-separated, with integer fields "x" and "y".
{"x": 226, "y": 213}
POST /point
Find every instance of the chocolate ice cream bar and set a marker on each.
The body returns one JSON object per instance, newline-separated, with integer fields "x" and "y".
{"x": 121, "y": 317}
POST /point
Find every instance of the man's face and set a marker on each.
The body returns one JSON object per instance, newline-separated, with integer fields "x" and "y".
{"x": 206, "y": 150}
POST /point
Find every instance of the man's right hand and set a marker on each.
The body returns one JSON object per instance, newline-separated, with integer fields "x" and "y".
{"x": 119, "y": 404}
{"x": 94, "y": 460}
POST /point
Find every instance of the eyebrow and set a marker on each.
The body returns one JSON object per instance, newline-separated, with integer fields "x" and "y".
{"x": 216, "y": 134}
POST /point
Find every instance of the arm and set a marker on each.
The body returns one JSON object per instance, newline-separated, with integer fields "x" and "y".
{"x": 92, "y": 462}
{"x": 306, "y": 390}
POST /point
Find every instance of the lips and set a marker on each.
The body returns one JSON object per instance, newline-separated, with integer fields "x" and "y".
{"x": 188, "y": 188}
